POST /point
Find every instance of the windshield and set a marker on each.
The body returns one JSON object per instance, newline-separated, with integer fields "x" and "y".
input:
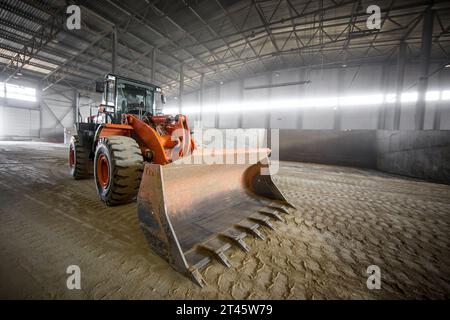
{"x": 134, "y": 99}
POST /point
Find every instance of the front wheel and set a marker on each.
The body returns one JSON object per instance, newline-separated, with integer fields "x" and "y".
{"x": 118, "y": 166}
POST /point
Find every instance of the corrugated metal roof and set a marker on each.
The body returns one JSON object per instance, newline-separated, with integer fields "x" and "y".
{"x": 222, "y": 39}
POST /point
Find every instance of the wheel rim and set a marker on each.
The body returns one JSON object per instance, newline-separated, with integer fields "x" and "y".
{"x": 103, "y": 171}
{"x": 71, "y": 156}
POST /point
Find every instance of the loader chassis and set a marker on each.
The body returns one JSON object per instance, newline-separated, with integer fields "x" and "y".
{"x": 189, "y": 213}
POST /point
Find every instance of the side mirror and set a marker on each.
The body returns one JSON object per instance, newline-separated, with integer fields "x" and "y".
{"x": 99, "y": 86}
{"x": 163, "y": 99}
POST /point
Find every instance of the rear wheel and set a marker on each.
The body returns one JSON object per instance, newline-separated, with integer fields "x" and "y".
{"x": 79, "y": 162}
{"x": 118, "y": 166}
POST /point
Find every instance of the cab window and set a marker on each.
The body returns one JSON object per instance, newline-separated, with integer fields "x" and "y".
{"x": 134, "y": 99}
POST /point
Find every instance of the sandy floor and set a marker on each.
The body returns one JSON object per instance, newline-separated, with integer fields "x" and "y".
{"x": 347, "y": 220}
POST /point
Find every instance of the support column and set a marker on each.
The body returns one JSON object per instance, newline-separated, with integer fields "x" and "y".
{"x": 337, "y": 125}
{"x": 114, "y": 50}
{"x": 240, "y": 101}
{"x": 202, "y": 95}
{"x": 437, "y": 116}
{"x": 180, "y": 99}
{"x": 217, "y": 114}
{"x": 381, "y": 123}
{"x": 76, "y": 105}
{"x": 438, "y": 104}
{"x": 427, "y": 39}
{"x": 400, "y": 77}
{"x": 300, "y": 93}
{"x": 268, "y": 113}
{"x": 153, "y": 65}
{"x": 39, "y": 102}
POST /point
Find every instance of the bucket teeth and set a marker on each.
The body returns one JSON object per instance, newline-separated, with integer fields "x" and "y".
{"x": 217, "y": 248}
{"x": 197, "y": 277}
{"x": 251, "y": 227}
{"x": 186, "y": 226}
{"x": 281, "y": 207}
{"x": 197, "y": 259}
{"x": 271, "y": 213}
{"x": 262, "y": 219}
{"x": 223, "y": 258}
{"x": 243, "y": 245}
{"x": 236, "y": 237}
{"x": 258, "y": 234}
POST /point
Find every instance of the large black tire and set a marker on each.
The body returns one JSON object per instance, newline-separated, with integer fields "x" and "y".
{"x": 118, "y": 167}
{"x": 79, "y": 163}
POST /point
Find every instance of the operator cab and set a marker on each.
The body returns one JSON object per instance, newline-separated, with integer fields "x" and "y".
{"x": 126, "y": 96}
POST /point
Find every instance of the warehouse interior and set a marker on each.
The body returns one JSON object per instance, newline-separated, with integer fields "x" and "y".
{"x": 352, "y": 97}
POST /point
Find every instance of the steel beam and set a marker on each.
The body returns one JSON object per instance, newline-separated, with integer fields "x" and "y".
{"x": 384, "y": 85}
{"x": 438, "y": 106}
{"x": 227, "y": 14}
{"x": 241, "y": 100}
{"x": 138, "y": 38}
{"x": 285, "y": 84}
{"x": 63, "y": 70}
{"x": 47, "y": 32}
{"x": 400, "y": 77}
{"x": 202, "y": 96}
{"x": 76, "y": 102}
{"x": 303, "y": 75}
{"x": 188, "y": 34}
{"x": 427, "y": 40}
{"x": 337, "y": 121}
{"x": 114, "y": 50}
{"x": 217, "y": 114}
{"x": 142, "y": 21}
{"x": 279, "y": 24}
{"x": 153, "y": 65}
{"x": 180, "y": 99}
{"x": 268, "y": 112}
{"x": 437, "y": 116}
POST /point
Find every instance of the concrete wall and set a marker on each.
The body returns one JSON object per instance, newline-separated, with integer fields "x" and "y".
{"x": 349, "y": 148}
{"x": 420, "y": 154}
{"x": 55, "y": 135}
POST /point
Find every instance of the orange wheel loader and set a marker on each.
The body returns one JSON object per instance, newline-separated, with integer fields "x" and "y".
{"x": 190, "y": 210}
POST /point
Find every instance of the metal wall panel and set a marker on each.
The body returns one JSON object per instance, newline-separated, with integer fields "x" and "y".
{"x": 20, "y": 122}
{"x": 229, "y": 94}
{"x": 257, "y": 118}
{"x": 362, "y": 80}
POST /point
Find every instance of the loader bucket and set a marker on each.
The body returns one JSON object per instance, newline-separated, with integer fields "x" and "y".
{"x": 192, "y": 213}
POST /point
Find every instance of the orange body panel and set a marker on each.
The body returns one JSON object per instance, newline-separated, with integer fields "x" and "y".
{"x": 161, "y": 145}
{"x": 115, "y": 130}
{"x": 148, "y": 137}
